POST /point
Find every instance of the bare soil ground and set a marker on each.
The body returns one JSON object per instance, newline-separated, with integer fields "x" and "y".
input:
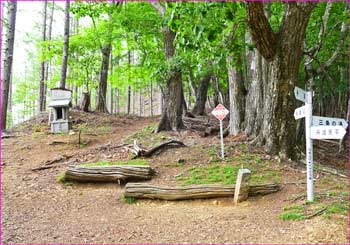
{"x": 36, "y": 208}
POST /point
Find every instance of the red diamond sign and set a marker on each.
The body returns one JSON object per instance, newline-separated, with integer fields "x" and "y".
{"x": 220, "y": 112}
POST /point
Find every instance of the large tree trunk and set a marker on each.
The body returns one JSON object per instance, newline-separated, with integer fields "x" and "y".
{"x": 8, "y": 58}
{"x": 65, "y": 46}
{"x": 101, "y": 105}
{"x": 257, "y": 69}
{"x": 201, "y": 96}
{"x": 237, "y": 96}
{"x": 284, "y": 53}
{"x": 172, "y": 110}
{"x": 43, "y": 62}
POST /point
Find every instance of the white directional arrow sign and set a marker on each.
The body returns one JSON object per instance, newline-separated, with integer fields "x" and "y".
{"x": 300, "y": 94}
{"x": 327, "y": 132}
{"x": 299, "y": 113}
{"x": 328, "y": 121}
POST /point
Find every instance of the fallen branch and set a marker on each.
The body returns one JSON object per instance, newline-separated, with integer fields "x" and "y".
{"x": 326, "y": 170}
{"x": 139, "y": 152}
{"x": 319, "y": 212}
{"x": 109, "y": 173}
{"x": 48, "y": 164}
{"x": 139, "y": 190}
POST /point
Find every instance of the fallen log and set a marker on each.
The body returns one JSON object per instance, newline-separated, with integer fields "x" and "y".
{"x": 139, "y": 152}
{"x": 109, "y": 173}
{"x": 204, "y": 125}
{"x": 140, "y": 190}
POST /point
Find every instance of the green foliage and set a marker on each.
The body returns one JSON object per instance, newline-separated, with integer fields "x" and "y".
{"x": 223, "y": 174}
{"x": 61, "y": 178}
{"x": 128, "y": 200}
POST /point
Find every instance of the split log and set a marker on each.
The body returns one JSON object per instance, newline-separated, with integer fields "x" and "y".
{"x": 139, "y": 190}
{"x": 139, "y": 152}
{"x": 109, "y": 173}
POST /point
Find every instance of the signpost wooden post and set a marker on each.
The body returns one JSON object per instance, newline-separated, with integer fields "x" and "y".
{"x": 315, "y": 128}
{"x": 220, "y": 112}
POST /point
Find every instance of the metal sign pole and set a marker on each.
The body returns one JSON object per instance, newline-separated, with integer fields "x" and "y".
{"x": 309, "y": 150}
{"x": 222, "y": 140}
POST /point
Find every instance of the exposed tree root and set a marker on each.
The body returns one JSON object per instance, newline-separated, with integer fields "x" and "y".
{"x": 140, "y": 152}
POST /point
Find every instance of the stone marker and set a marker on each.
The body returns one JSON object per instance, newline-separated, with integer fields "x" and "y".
{"x": 241, "y": 184}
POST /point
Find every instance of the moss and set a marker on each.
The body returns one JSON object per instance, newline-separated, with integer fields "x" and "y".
{"x": 128, "y": 200}
{"x": 291, "y": 216}
{"x": 61, "y": 178}
{"x": 127, "y": 162}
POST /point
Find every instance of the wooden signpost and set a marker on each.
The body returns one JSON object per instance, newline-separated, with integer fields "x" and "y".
{"x": 220, "y": 112}
{"x": 315, "y": 128}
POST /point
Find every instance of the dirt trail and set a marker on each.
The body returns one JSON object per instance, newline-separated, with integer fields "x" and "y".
{"x": 38, "y": 209}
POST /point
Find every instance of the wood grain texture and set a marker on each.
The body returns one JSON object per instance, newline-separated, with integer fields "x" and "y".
{"x": 109, "y": 173}
{"x": 142, "y": 190}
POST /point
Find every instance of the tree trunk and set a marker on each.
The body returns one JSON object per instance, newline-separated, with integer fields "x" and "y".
{"x": 85, "y": 102}
{"x": 111, "y": 85}
{"x": 151, "y": 98}
{"x": 117, "y": 103}
{"x": 256, "y": 74}
{"x": 237, "y": 96}
{"x": 128, "y": 100}
{"x": 8, "y": 58}
{"x": 101, "y": 105}
{"x": 65, "y": 46}
{"x": 201, "y": 95}
{"x": 43, "y": 62}
{"x": 172, "y": 111}
{"x": 284, "y": 53}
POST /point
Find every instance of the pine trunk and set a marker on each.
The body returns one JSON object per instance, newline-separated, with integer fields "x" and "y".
{"x": 8, "y": 58}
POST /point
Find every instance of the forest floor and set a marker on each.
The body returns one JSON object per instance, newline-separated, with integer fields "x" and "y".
{"x": 37, "y": 208}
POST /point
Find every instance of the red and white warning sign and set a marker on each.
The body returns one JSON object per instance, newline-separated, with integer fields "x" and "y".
{"x": 220, "y": 112}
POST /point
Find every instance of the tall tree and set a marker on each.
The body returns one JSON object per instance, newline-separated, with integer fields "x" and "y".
{"x": 283, "y": 51}
{"x": 201, "y": 95}
{"x": 8, "y": 59}
{"x": 43, "y": 62}
{"x": 65, "y": 46}
{"x": 172, "y": 111}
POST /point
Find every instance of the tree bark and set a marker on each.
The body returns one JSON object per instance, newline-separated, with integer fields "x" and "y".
{"x": 257, "y": 69}
{"x": 237, "y": 96}
{"x": 284, "y": 53}
{"x": 43, "y": 62}
{"x": 101, "y": 105}
{"x": 8, "y": 59}
{"x": 173, "y": 107}
{"x": 65, "y": 46}
{"x": 201, "y": 95}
